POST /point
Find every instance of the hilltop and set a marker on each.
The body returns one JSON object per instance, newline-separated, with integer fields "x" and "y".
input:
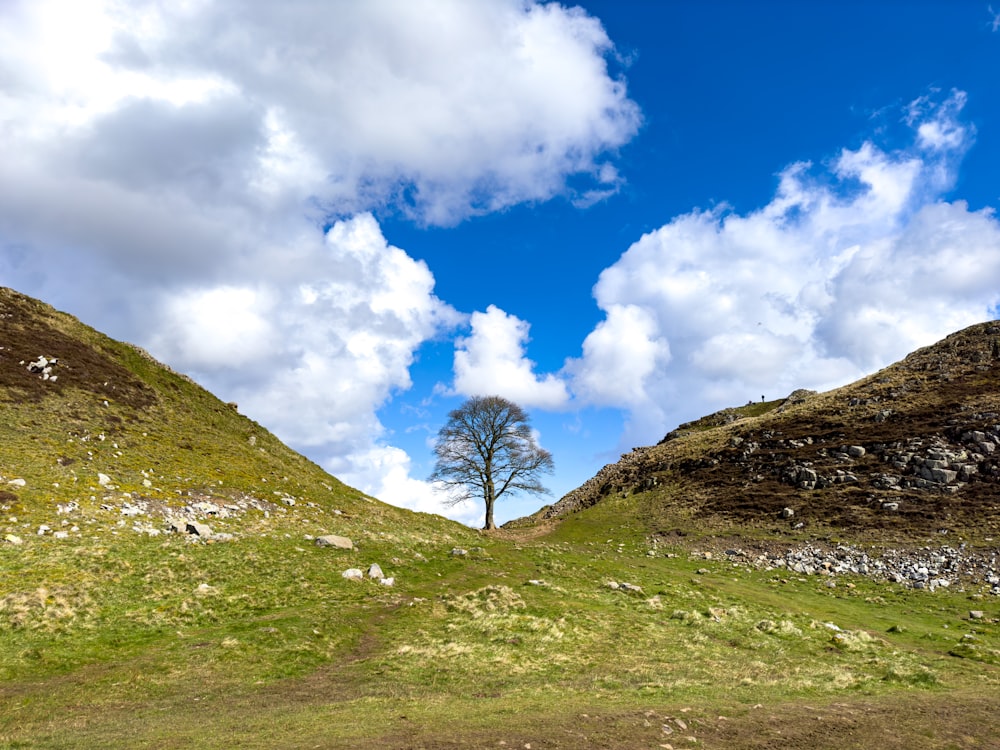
{"x": 95, "y": 431}
{"x": 906, "y": 455}
{"x": 172, "y": 575}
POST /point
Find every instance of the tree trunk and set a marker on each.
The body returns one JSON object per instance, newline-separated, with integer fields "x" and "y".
{"x": 489, "y": 516}
{"x": 490, "y": 500}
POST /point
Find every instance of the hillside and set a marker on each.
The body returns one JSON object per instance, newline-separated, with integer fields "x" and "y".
{"x": 908, "y": 454}
{"x": 95, "y": 431}
{"x": 167, "y": 580}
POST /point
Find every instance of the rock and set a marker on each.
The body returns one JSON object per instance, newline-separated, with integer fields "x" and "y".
{"x": 375, "y": 571}
{"x": 353, "y": 574}
{"x": 205, "y": 589}
{"x": 787, "y": 513}
{"x": 103, "y": 479}
{"x": 855, "y": 451}
{"x": 976, "y": 614}
{"x": 17, "y": 483}
{"x": 198, "y": 529}
{"x": 13, "y": 539}
{"x": 387, "y": 581}
{"x": 332, "y": 540}
{"x": 458, "y": 552}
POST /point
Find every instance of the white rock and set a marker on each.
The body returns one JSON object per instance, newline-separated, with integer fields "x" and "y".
{"x": 353, "y": 574}
{"x": 103, "y": 479}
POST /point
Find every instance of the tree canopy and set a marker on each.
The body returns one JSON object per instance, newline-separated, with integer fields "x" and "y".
{"x": 486, "y": 449}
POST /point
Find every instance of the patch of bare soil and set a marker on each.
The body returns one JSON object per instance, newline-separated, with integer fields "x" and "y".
{"x": 931, "y": 721}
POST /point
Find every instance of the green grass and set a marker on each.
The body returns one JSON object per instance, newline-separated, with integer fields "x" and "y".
{"x": 125, "y": 650}
{"x": 116, "y": 637}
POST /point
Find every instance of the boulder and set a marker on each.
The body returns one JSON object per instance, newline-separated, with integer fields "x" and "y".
{"x": 332, "y": 540}
{"x": 353, "y": 574}
{"x": 198, "y": 529}
{"x": 375, "y": 571}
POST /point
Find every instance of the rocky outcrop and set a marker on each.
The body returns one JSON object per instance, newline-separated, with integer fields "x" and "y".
{"x": 920, "y": 439}
{"x": 925, "y": 568}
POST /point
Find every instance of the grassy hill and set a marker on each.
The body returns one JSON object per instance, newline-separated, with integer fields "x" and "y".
{"x": 908, "y": 455}
{"x": 649, "y": 614}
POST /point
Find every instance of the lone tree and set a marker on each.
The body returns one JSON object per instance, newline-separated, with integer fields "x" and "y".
{"x": 486, "y": 449}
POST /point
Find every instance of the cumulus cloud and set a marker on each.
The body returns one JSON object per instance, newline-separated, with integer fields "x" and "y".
{"x": 440, "y": 107}
{"x": 845, "y": 270}
{"x": 385, "y": 472}
{"x": 167, "y": 168}
{"x": 314, "y": 354}
{"x": 491, "y": 360}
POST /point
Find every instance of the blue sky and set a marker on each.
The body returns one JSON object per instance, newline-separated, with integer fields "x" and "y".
{"x": 623, "y": 215}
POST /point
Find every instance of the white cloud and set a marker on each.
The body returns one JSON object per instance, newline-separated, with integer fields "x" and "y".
{"x": 621, "y": 354}
{"x": 491, "y": 360}
{"x": 166, "y": 166}
{"x": 212, "y": 329}
{"x": 384, "y": 472}
{"x": 323, "y": 347}
{"x": 441, "y": 107}
{"x": 838, "y": 275}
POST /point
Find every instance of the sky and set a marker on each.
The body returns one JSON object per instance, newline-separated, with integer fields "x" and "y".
{"x": 622, "y": 215}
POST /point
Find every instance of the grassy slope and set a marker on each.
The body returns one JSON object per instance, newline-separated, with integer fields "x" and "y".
{"x": 113, "y": 638}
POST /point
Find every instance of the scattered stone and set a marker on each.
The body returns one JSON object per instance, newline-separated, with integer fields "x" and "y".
{"x": 205, "y": 590}
{"x": 332, "y": 540}
{"x": 103, "y": 479}
{"x": 17, "y": 483}
{"x": 354, "y": 574}
{"x": 787, "y": 513}
{"x": 198, "y": 529}
{"x": 13, "y": 539}
{"x": 976, "y": 614}
{"x": 387, "y": 581}
{"x": 458, "y": 552}
{"x": 375, "y": 571}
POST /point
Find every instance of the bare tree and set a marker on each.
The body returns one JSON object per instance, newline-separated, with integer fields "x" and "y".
{"x": 486, "y": 449}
